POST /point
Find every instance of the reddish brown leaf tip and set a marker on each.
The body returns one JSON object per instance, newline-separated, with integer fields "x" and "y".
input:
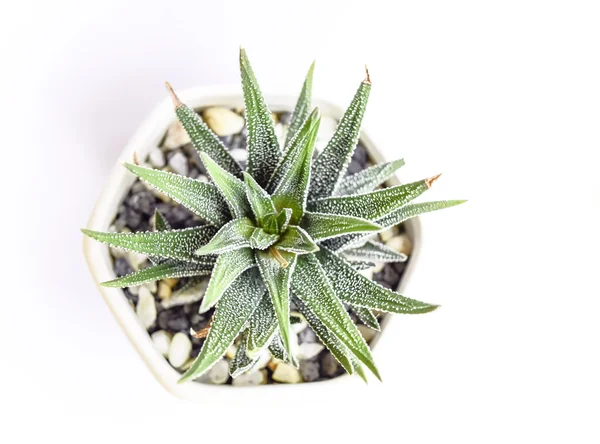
{"x": 368, "y": 78}
{"x": 176, "y": 102}
{"x": 429, "y": 182}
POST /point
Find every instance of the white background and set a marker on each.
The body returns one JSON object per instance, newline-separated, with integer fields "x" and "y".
{"x": 503, "y": 97}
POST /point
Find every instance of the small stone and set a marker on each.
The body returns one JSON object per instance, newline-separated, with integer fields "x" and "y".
{"x": 179, "y": 350}
{"x": 223, "y": 121}
{"x": 309, "y": 350}
{"x": 170, "y": 282}
{"x": 176, "y": 136}
{"x": 280, "y": 133}
{"x": 307, "y": 335}
{"x": 218, "y": 374}
{"x": 136, "y": 260}
{"x": 156, "y": 158}
{"x": 142, "y": 202}
{"x": 179, "y": 164}
{"x": 378, "y": 267}
{"x": 285, "y": 118}
{"x": 354, "y": 167}
{"x": 263, "y": 359}
{"x": 122, "y": 267}
{"x": 388, "y": 234}
{"x": 162, "y": 341}
{"x": 178, "y": 322}
{"x": 239, "y": 154}
{"x": 164, "y": 291}
{"x": 368, "y": 273}
{"x": 361, "y": 156}
{"x": 366, "y": 332}
{"x": 287, "y": 373}
{"x": 251, "y": 377}
{"x": 329, "y": 365}
{"x": 298, "y": 326}
{"x": 135, "y": 290}
{"x": 309, "y": 370}
{"x": 401, "y": 243}
{"x": 390, "y": 275}
{"x": 231, "y": 351}
{"x": 151, "y": 286}
{"x": 146, "y": 308}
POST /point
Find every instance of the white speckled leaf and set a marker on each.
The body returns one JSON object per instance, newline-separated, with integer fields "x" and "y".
{"x": 359, "y": 291}
{"x": 277, "y": 349}
{"x": 289, "y": 184}
{"x": 175, "y": 244}
{"x": 302, "y": 108}
{"x": 232, "y": 188}
{"x": 263, "y": 324}
{"x": 322, "y": 226}
{"x": 312, "y": 287}
{"x": 339, "y": 351}
{"x": 361, "y": 265}
{"x": 160, "y": 223}
{"x": 241, "y": 363}
{"x": 261, "y": 240}
{"x": 264, "y": 152}
{"x": 277, "y": 280}
{"x": 394, "y": 218}
{"x": 333, "y": 161}
{"x": 205, "y": 141}
{"x": 228, "y": 267}
{"x": 233, "y": 311}
{"x": 377, "y": 252}
{"x": 367, "y": 179}
{"x": 296, "y": 240}
{"x": 169, "y": 269}
{"x": 231, "y": 236}
{"x": 373, "y": 205}
{"x": 201, "y": 198}
{"x": 367, "y": 317}
{"x": 259, "y": 199}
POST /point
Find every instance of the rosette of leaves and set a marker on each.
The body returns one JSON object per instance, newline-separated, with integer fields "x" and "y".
{"x": 293, "y": 225}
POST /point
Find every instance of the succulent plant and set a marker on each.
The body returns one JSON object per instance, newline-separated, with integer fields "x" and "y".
{"x": 292, "y": 226}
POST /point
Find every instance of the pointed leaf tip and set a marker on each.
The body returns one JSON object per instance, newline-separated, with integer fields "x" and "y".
{"x": 176, "y": 102}
{"x": 429, "y": 182}
{"x": 368, "y": 77}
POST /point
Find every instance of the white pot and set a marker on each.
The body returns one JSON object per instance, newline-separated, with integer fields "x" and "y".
{"x": 148, "y": 136}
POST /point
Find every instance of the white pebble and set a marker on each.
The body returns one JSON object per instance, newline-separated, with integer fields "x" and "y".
{"x": 223, "y": 121}
{"x": 218, "y": 374}
{"x": 239, "y": 154}
{"x": 252, "y": 377}
{"x": 136, "y": 260}
{"x": 162, "y": 341}
{"x": 176, "y": 136}
{"x": 298, "y": 326}
{"x": 180, "y": 350}
{"x": 378, "y": 267}
{"x": 179, "y": 164}
{"x": 400, "y": 243}
{"x": 388, "y": 234}
{"x": 368, "y": 273}
{"x": 286, "y": 373}
{"x": 308, "y": 350}
{"x": 146, "y": 308}
{"x": 164, "y": 291}
{"x": 151, "y": 286}
{"x": 156, "y": 158}
{"x": 263, "y": 359}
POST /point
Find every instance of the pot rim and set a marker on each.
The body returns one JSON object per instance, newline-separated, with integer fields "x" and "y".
{"x": 149, "y": 135}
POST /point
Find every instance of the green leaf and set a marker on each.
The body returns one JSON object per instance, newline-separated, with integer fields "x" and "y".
{"x": 333, "y": 161}
{"x": 359, "y": 291}
{"x": 277, "y": 349}
{"x": 277, "y": 222}
{"x": 232, "y": 236}
{"x": 361, "y": 265}
{"x": 277, "y": 280}
{"x": 203, "y": 139}
{"x": 160, "y": 223}
{"x": 175, "y": 244}
{"x": 201, "y": 198}
{"x": 296, "y": 240}
{"x": 289, "y": 184}
{"x": 373, "y": 205}
{"x": 302, "y": 108}
{"x": 376, "y": 251}
{"x": 230, "y": 186}
{"x": 409, "y": 211}
{"x": 367, "y": 179}
{"x": 390, "y": 220}
{"x": 263, "y": 148}
{"x": 261, "y": 240}
{"x": 241, "y": 363}
{"x": 322, "y": 226}
{"x": 168, "y": 269}
{"x": 262, "y": 326}
{"x": 259, "y": 199}
{"x": 339, "y": 351}
{"x": 233, "y": 311}
{"x": 313, "y": 288}
{"x": 228, "y": 267}
{"x": 358, "y": 369}
{"x": 367, "y": 317}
